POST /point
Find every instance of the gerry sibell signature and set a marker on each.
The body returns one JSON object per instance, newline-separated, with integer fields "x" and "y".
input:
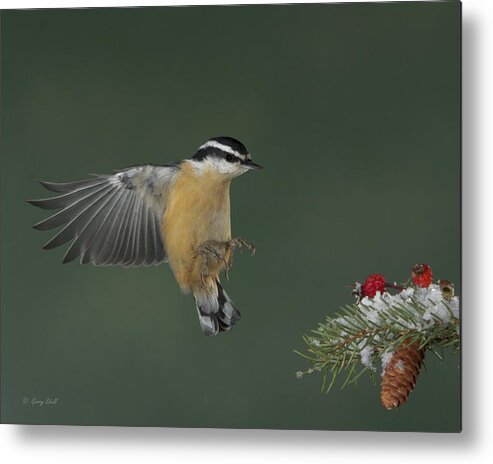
{"x": 39, "y": 402}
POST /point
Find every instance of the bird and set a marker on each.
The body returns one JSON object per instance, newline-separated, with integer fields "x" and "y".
{"x": 151, "y": 214}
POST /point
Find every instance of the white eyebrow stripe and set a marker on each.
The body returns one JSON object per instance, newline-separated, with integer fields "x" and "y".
{"x": 220, "y": 146}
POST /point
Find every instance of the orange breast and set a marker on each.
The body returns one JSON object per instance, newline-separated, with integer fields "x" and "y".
{"x": 198, "y": 210}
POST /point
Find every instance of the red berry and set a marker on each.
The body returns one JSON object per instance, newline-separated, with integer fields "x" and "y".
{"x": 422, "y": 275}
{"x": 373, "y": 284}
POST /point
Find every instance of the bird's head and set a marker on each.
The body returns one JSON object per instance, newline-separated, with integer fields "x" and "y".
{"x": 225, "y": 156}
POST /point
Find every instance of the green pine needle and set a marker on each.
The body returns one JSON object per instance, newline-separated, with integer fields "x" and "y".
{"x": 361, "y": 336}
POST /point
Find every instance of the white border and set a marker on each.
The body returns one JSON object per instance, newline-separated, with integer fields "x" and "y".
{"x": 52, "y": 444}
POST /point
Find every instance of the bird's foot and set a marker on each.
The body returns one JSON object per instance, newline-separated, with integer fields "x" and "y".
{"x": 210, "y": 249}
{"x": 240, "y": 243}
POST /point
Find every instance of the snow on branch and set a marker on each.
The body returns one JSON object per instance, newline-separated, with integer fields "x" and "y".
{"x": 366, "y": 334}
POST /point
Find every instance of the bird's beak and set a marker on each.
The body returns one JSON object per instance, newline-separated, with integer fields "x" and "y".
{"x": 252, "y": 165}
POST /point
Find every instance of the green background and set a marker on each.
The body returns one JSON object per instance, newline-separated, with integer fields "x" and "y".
{"x": 354, "y": 110}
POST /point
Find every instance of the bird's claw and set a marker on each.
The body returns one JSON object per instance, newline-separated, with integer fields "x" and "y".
{"x": 241, "y": 243}
{"x": 209, "y": 249}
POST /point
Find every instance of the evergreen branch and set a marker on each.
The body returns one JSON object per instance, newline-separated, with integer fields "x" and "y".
{"x": 369, "y": 332}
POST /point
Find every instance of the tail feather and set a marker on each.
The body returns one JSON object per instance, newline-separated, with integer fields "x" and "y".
{"x": 217, "y": 313}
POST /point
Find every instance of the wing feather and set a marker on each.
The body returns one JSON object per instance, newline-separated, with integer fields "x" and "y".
{"x": 133, "y": 255}
{"x": 127, "y": 239}
{"x": 124, "y": 233}
{"x": 66, "y": 199}
{"x": 118, "y": 216}
{"x": 85, "y": 237}
{"x": 70, "y": 211}
{"x": 76, "y": 223}
{"x": 102, "y": 223}
{"x": 113, "y": 219}
{"x": 143, "y": 232}
{"x": 71, "y": 186}
{"x": 151, "y": 247}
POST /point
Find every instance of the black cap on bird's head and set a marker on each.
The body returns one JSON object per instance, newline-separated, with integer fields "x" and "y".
{"x": 228, "y": 149}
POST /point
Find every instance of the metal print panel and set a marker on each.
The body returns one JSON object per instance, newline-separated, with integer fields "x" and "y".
{"x": 180, "y": 284}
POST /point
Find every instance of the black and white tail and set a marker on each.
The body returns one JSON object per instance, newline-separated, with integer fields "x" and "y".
{"x": 217, "y": 313}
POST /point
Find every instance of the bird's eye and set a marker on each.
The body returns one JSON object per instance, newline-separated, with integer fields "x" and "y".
{"x": 229, "y": 157}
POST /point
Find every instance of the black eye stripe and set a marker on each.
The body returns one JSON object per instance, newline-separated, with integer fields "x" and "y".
{"x": 231, "y": 158}
{"x": 212, "y": 152}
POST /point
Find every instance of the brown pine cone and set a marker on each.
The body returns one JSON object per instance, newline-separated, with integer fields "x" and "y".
{"x": 400, "y": 375}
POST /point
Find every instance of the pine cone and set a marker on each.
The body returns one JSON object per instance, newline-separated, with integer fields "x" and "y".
{"x": 400, "y": 375}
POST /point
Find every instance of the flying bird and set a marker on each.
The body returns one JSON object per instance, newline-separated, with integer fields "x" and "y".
{"x": 150, "y": 214}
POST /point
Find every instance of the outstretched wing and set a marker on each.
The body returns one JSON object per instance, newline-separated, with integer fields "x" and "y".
{"x": 111, "y": 220}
